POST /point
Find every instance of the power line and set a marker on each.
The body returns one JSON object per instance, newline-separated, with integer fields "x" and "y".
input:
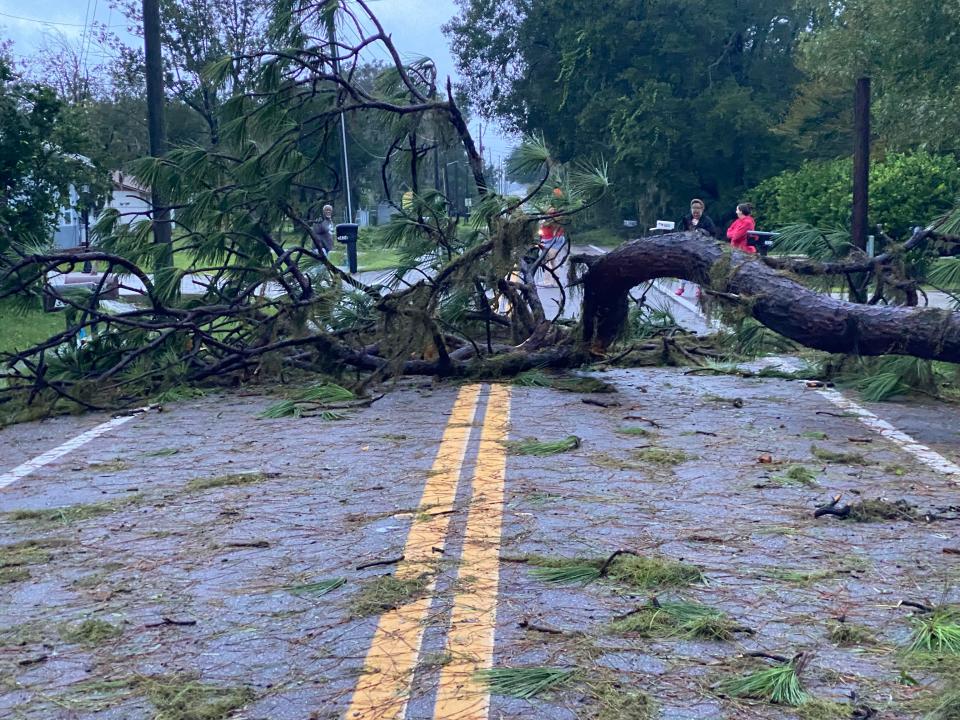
{"x": 51, "y": 22}
{"x": 83, "y": 36}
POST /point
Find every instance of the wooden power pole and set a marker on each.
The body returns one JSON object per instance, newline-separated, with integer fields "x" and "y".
{"x": 861, "y": 172}
{"x": 155, "y": 124}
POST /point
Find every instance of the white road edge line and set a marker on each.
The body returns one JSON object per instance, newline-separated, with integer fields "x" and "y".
{"x": 21, "y": 471}
{"x": 929, "y": 457}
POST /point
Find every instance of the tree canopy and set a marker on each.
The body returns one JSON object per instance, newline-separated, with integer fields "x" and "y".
{"x": 903, "y": 45}
{"x": 40, "y": 158}
{"x": 682, "y": 97}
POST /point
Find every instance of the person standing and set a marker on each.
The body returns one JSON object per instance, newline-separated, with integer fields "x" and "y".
{"x": 553, "y": 237}
{"x": 739, "y": 229}
{"x": 698, "y": 219}
{"x": 324, "y": 230}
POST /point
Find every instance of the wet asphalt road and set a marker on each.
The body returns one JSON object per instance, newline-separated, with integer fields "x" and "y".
{"x": 134, "y": 543}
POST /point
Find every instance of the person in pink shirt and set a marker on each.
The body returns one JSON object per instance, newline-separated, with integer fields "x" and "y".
{"x": 737, "y": 232}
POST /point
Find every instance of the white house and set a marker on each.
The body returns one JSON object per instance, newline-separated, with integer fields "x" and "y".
{"x": 127, "y": 197}
{"x": 69, "y": 234}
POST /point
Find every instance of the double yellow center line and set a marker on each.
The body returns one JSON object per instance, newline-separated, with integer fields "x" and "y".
{"x": 384, "y": 688}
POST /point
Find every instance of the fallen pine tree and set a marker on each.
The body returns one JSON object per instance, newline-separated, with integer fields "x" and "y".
{"x": 771, "y": 295}
{"x": 272, "y": 305}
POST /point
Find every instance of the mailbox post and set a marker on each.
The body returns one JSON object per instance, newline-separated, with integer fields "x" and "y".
{"x": 347, "y": 234}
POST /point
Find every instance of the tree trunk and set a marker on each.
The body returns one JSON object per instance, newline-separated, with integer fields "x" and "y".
{"x": 770, "y": 296}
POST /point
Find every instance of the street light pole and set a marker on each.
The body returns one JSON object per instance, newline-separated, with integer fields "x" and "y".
{"x": 446, "y": 185}
{"x": 332, "y": 37}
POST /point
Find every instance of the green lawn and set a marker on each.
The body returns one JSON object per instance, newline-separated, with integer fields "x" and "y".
{"x": 601, "y": 237}
{"x": 369, "y": 258}
{"x": 19, "y": 331}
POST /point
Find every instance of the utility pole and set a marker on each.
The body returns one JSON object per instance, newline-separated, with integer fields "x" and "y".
{"x": 155, "y": 125}
{"x": 861, "y": 175}
{"x": 332, "y": 37}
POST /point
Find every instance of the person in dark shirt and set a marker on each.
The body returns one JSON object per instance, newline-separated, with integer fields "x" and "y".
{"x": 698, "y": 220}
{"x": 324, "y": 229}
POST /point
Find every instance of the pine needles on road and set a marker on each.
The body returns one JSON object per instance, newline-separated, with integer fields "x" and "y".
{"x": 542, "y": 448}
{"x": 937, "y": 633}
{"x": 779, "y": 684}
{"x": 319, "y": 588}
{"x": 523, "y": 683}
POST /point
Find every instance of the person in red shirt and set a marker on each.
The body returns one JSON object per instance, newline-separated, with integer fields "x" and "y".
{"x": 737, "y": 232}
{"x": 553, "y": 236}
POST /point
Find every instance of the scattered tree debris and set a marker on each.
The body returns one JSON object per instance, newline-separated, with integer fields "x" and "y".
{"x": 319, "y": 588}
{"x": 378, "y": 563}
{"x": 541, "y": 448}
{"x": 601, "y": 403}
{"x": 171, "y": 621}
{"x": 838, "y": 458}
{"x": 533, "y": 627}
{"x": 633, "y": 430}
{"x": 796, "y": 475}
{"x": 615, "y": 701}
{"x": 661, "y": 456}
{"x": 70, "y": 513}
{"x": 233, "y": 479}
{"x": 652, "y": 423}
{"x": 779, "y": 684}
{"x": 185, "y": 698}
{"x": 387, "y": 592}
{"x": 677, "y": 619}
{"x": 523, "y": 683}
{"x": 936, "y": 631}
{"x": 847, "y": 634}
{"x": 35, "y": 660}
{"x": 623, "y": 567}
{"x": 90, "y": 632}
{"x": 867, "y": 511}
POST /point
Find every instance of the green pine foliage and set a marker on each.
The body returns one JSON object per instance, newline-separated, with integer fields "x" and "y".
{"x": 937, "y": 633}
{"x": 779, "y": 684}
{"x": 523, "y": 683}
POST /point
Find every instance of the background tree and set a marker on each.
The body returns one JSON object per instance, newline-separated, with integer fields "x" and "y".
{"x": 683, "y": 97}
{"x": 902, "y": 46}
{"x": 195, "y": 33}
{"x": 41, "y": 152}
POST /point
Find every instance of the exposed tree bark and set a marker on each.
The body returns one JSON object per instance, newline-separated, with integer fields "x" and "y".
{"x": 773, "y": 298}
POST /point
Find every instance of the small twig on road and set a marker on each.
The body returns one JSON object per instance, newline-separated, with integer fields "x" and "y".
{"x": 653, "y": 423}
{"x": 527, "y": 625}
{"x": 26, "y": 662}
{"x": 831, "y": 508}
{"x": 768, "y": 656}
{"x": 378, "y": 563}
{"x": 601, "y": 403}
{"x": 170, "y": 621}
{"x": 614, "y": 556}
{"x": 919, "y": 606}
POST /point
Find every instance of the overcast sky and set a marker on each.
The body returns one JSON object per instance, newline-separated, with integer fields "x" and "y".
{"x": 414, "y": 24}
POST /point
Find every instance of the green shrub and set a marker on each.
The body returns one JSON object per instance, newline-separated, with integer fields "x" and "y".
{"x": 905, "y": 190}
